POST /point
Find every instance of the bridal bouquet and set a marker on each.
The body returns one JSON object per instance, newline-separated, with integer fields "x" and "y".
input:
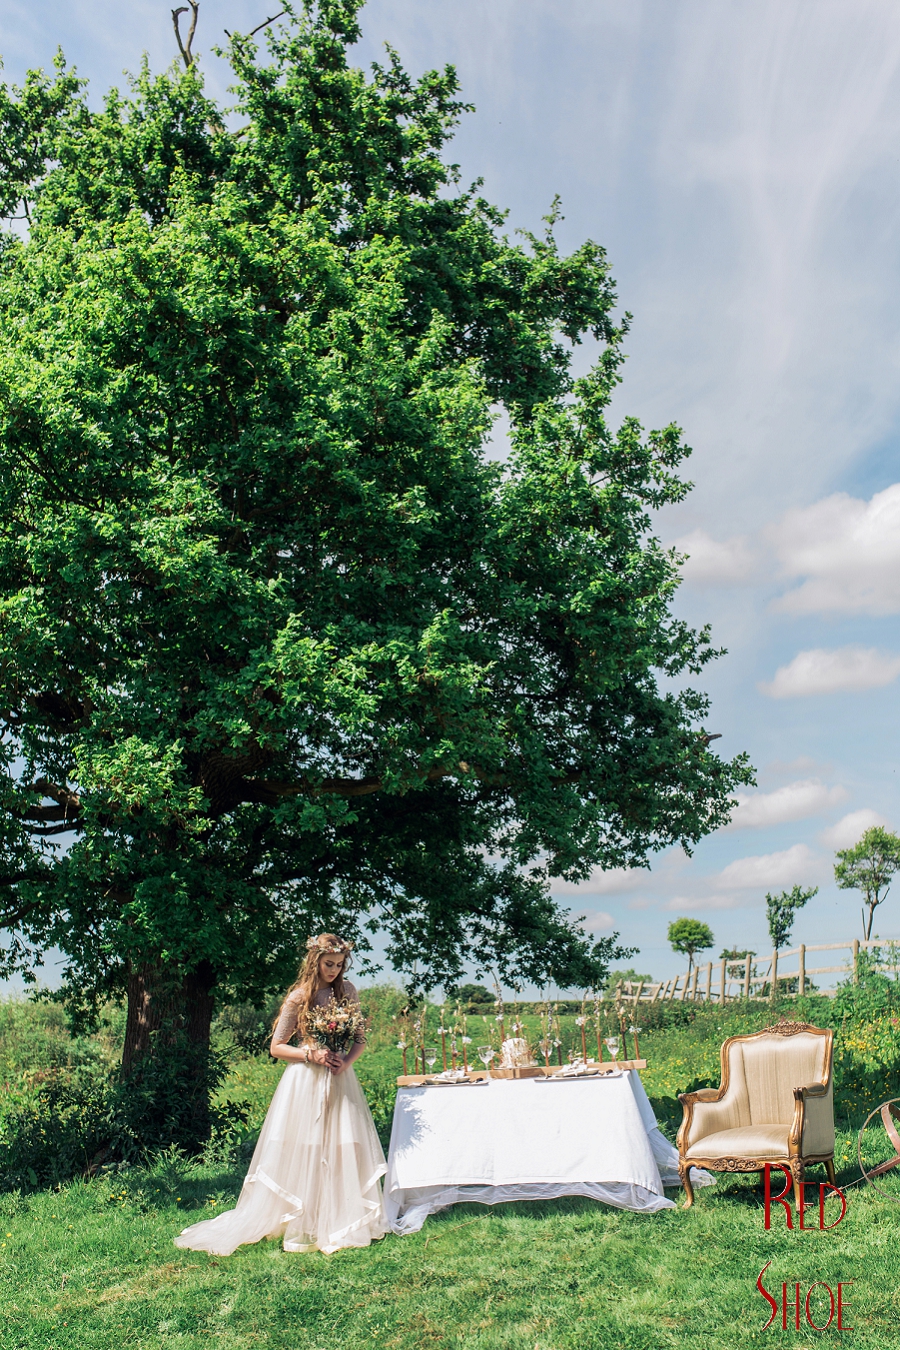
{"x": 336, "y": 1026}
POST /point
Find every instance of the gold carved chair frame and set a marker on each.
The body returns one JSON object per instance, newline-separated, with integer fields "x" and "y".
{"x": 794, "y": 1158}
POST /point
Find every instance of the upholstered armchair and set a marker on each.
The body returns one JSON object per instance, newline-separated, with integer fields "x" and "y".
{"x": 774, "y": 1105}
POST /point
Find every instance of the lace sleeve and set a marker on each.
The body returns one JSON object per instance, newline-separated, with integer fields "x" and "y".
{"x": 352, "y": 996}
{"x": 287, "y": 1022}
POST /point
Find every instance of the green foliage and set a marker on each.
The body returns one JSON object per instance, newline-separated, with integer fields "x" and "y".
{"x": 281, "y": 647}
{"x": 472, "y": 993}
{"x": 781, "y": 910}
{"x": 689, "y": 936}
{"x": 868, "y": 867}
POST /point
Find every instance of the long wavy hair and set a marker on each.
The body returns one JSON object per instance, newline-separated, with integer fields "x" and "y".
{"x": 307, "y": 981}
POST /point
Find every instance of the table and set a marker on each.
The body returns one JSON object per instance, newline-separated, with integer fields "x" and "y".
{"x": 527, "y": 1139}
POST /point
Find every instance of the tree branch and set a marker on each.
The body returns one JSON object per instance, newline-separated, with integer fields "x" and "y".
{"x": 186, "y": 50}
{"x": 259, "y": 27}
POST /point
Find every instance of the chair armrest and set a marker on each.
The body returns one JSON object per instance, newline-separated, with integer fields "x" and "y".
{"x": 704, "y": 1112}
{"x": 812, "y": 1129}
{"x": 813, "y": 1090}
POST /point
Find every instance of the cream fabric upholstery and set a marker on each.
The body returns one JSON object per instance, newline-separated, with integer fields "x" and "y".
{"x": 754, "y": 1117}
{"x": 748, "y": 1141}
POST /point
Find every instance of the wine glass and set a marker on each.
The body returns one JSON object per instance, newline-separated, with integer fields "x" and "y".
{"x": 486, "y": 1054}
{"x": 431, "y": 1055}
{"x": 612, "y": 1045}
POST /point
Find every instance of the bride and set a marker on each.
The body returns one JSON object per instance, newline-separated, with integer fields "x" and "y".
{"x": 314, "y": 1178}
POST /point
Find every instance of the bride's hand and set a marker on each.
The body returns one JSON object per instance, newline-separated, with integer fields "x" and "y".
{"x": 320, "y": 1055}
{"x": 337, "y": 1064}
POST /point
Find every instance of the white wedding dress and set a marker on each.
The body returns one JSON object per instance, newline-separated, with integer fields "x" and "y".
{"x": 314, "y": 1178}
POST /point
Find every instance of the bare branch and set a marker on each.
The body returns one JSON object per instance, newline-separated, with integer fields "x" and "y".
{"x": 261, "y": 26}
{"x": 185, "y": 49}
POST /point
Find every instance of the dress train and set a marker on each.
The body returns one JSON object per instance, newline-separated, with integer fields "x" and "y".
{"x": 314, "y": 1178}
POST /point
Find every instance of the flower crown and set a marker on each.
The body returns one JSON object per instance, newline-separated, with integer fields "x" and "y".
{"x": 313, "y": 943}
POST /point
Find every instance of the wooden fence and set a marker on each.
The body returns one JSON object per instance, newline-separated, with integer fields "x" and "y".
{"x": 719, "y": 982}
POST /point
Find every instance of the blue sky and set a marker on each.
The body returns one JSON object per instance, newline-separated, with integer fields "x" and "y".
{"x": 741, "y": 165}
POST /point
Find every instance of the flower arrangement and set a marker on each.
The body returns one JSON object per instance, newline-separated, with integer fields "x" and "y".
{"x": 336, "y": 1025}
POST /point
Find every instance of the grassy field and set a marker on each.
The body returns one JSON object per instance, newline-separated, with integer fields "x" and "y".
{"x": 90, "y": 1263}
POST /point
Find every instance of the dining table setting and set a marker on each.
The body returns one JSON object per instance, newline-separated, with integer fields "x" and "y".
{"x": 526, "y": 1131}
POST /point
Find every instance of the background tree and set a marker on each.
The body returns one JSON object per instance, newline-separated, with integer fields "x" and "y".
{"x": 624, "y": 974}
{"x": 737, "y": 958}
{"x": 868, "y": 867}
{"x": 689, "y": 936}
{"x": 781, "y": 911}
{"x": 281, "y": 649}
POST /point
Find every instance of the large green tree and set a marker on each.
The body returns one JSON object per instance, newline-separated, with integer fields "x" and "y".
{"x": 281, "y": 646}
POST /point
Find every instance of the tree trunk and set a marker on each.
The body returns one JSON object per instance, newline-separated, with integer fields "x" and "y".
{"x": 168, "y": 1073}
{"x": 160, "y": 1007}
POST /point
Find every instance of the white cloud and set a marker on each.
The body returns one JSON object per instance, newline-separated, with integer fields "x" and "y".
{"x": 712, "y": 562}
{"x": 768, "y": 870}
{"x": 794, "y": 801}
{"x": 848, "y": 551}
{"x": 684, "y": 903}
{"x": 600, "y": 922}
{"x": 820, "y": 671}
{"x": 851, "y": 828}
{"x": 611, "y": 882}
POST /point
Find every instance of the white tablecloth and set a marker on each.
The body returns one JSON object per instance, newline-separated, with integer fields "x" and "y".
{"x": 527, "y": 1140}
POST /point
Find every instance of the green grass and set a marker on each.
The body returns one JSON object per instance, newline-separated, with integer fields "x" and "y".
{"x": 91, "y": 1265}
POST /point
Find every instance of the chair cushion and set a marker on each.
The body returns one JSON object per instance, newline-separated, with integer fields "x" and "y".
{"x": 746, "y": 1141}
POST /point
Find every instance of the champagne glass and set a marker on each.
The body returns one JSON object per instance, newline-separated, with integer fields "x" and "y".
{"x": 612, "y": 1045}
{"x": 486, "y": 1054}
{"x": 431, "y": 1055}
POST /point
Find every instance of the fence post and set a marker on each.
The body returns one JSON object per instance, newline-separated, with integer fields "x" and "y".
{"x": 773, "y": 992}
{"x": 856, "y": 960}
{"x": 708, "y": 981}
{"x": 747, "y": 976}
{"x": 694, "y": 985}
{"x": 686, "y": 986}
{"x": 801, "y": 987}
{"x": 637, "y": 997}
{"x": 722, "y": 984}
